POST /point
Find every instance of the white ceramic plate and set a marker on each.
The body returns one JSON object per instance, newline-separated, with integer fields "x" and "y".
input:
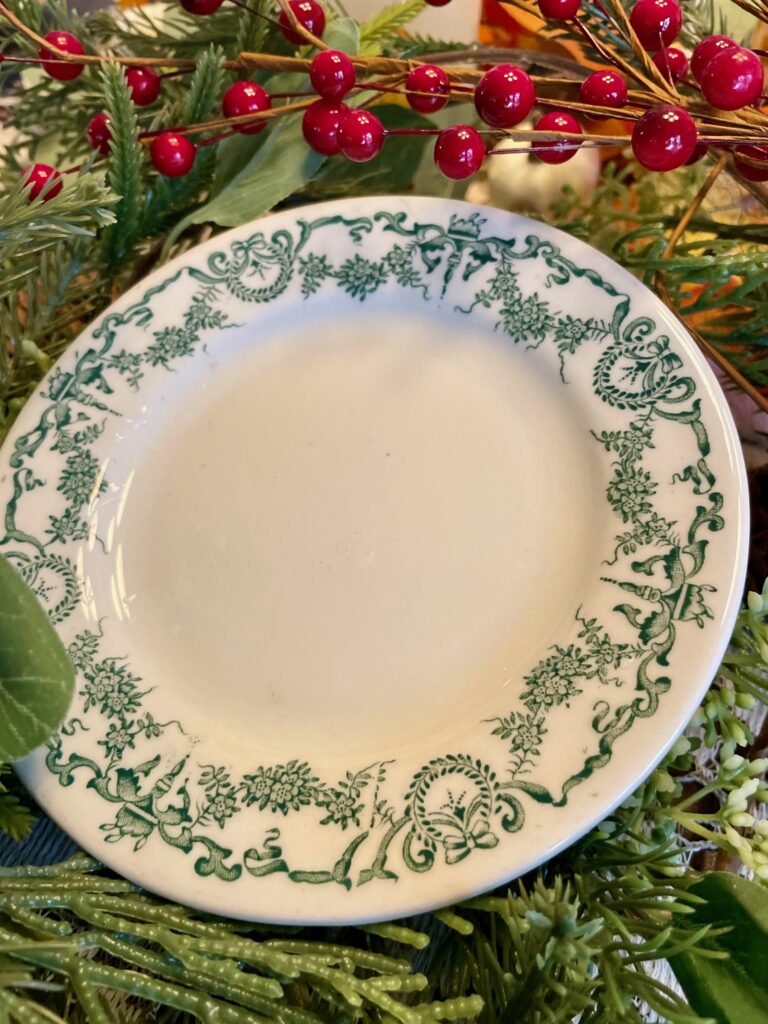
{"x": 394, "y": 541}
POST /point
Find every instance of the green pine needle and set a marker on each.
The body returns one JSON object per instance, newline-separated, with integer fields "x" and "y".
{"x": 16, "y": 819}
{"x": 125, "y": 175}
{"x": 377, "y": 31}
{"x": 171, "y": 196}
{"x": 205, "y": 87}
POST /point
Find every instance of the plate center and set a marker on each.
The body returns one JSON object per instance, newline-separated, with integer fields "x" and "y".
{"x": 356, "y": 535}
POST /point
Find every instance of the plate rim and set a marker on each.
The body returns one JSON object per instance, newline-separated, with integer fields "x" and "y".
{"x": 418, "y": 206}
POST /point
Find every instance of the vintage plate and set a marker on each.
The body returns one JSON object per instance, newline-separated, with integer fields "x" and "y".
{"x": 393, "y": 540}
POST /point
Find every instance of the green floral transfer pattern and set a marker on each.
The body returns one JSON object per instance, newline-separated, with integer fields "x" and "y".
{"x": 456, "y": 805}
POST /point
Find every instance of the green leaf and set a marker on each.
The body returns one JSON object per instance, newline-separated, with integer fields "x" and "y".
{"x": 125, "y": 163}
{"x": 393, "y": 172}
{"x": 343, "y": 34}
{"x": 283, "y": 165}
{"x": 379, "y": 30}
{"x": 732, "y": 990}
{"x": 36, "y": 677}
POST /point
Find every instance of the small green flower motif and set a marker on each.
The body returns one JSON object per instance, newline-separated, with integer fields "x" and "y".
{"x": 282, "y": 788}
{"x": 65, "y": 442}
{"x": 257, "y": 787}
{"x": 171, "y": 343}
{"x": 202, "y": 316}
{"x": 314, "y": 270}
{"x": 342, "y": 808}
{"x": 547, "y": 689}
{"x": 222, "y": 807}
{"x": 571, "y": 332}
{"x": 628, "y": 492}
{"x": 629, "y": 444}
{"x": 83, "y": 649}
{"x": 360, "y": 277}
{"x": 128, "y": 364}
{"x": 112, "y": 687}
{"x": 527, "y": 320}
{"x": 119, "y": 737}
{"x": 67, "y": 526}
{"x": 527, "y": 735}
{"x": 635, "y": 441}
{"x": 293, "y": 787}
{"x": 399, "y": 263}
{"x": 78, "y": 478}
{"x": 571, "y": 662}
{"x": 504, "y": 287}
{"x": 124, "y": 700}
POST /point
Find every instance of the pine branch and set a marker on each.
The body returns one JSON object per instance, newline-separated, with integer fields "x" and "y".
{"x": 125, "y": 175}
{"x": 381, "y": 29}
{"x": 205, "y": 87}
{"x": 16, "y": 820}
{"x": 253, "y": 32}
{"x": 173, "y": 196}
{"x": 28, "y": 229}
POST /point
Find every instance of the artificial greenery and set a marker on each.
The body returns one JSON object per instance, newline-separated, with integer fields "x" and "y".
{"x": 576, "y": 939}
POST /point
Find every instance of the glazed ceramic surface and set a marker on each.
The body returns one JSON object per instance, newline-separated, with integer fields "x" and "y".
{"x": 393, "y": 541}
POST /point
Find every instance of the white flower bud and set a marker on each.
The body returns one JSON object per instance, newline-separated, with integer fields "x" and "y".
{"x": 742, "y": 820}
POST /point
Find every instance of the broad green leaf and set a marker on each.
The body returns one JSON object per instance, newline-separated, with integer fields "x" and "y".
{"x": 36, "y": 677}
{"x": 343, "y": 34}
{"x": 283, "y": 165}
{"x": 732, "y": 990}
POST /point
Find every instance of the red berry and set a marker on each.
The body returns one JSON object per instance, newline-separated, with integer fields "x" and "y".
{"x": 427, "y": 78}
{"x": 144, "y": 84}
{"x": 706, "y": 50}
{"x": 560, "y": 151}
{"x": 751, "y": 171}
{"x": 699, "y": 152}
{"x": 172, "y": 155}
{"x": 604, "y": 89}
{"x": 308, "y": 13}
{"x": 244, "y": 97}
{"x": 733, "y": 79}
{"x": 656, "y": 22}
{"x": 664, "y": 138}
{"x": 37, "y": 178}
{"x": 55, "y": 66}
{"x": 332, "y": 74}
{"x": 437, "y": 3}
{"x": 559, "y": 10}
{"x": 672, "y": 63}
{"x": 459, "y": 152}
{"x": 504, "y": 96}
{"x": 360, "y": 136}
{"x": 201, "y": 6}
{"x": 321, "y": 126}
{"x": 99, "y": 135}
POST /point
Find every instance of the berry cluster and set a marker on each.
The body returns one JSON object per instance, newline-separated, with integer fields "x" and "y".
{"x": 664, "y": 137}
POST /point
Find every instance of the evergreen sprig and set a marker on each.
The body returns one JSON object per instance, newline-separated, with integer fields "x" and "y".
{"x": 718, "y": 272}
{"x": 377, "y": 31}
{"x": 125, "y": 174}
{"x": 16, "y": 819}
